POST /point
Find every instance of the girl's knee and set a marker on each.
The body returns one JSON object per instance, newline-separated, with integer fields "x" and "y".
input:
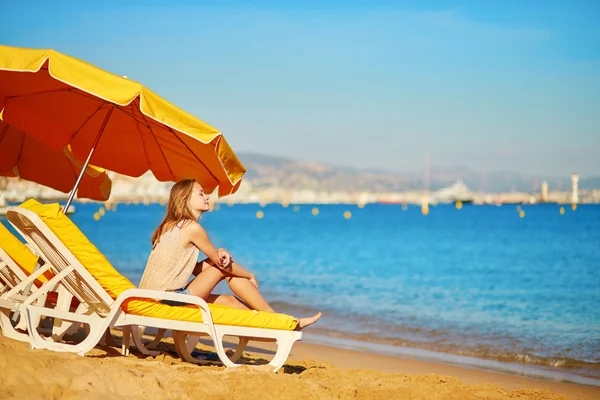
{"x": 232, "y": 301}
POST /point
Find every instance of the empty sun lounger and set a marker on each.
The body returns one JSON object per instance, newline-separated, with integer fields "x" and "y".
{"x": 19, "y": 278}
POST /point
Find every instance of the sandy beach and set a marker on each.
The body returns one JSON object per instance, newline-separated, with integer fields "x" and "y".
{"x": 312, "y": 371}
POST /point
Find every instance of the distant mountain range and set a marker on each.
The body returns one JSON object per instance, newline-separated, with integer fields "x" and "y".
{"x": 266, "y": 171}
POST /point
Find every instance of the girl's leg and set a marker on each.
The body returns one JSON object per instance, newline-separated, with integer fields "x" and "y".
{"x": 242, "y": 287}
{"x": 209, "y": 276}
{"x": 230, "y": 301}
{"x": 204, "y": 283}
{"x": 246, "y": 290}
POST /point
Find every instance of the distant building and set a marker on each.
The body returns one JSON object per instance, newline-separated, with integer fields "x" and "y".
{"x": 544, "y": 191}
{"x": 575, "y": 193}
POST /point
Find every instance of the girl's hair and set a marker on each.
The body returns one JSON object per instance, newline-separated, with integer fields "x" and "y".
{"x": 177, "y": 208}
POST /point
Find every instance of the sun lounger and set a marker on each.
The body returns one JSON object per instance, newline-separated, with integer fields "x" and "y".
{"x": 111, "y": 300}
{"x": 19, "y": 278}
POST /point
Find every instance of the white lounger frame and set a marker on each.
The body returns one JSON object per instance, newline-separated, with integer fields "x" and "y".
{"x": 102, "y": 312}
{"x": 16, "y": 289}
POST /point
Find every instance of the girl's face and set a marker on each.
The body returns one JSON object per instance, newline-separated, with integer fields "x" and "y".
{"x": 198, "y": 199}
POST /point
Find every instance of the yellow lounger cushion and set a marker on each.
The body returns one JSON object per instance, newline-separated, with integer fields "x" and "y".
{"x": 114, "y": 283}
{"x": 19, "y": 253}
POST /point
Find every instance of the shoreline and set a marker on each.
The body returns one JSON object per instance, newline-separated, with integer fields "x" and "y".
{"x": 518, "y": 363}
{"x": 353, "y": 359}
{"x": 526, "y": 370}
{"x": 350, "y": 359}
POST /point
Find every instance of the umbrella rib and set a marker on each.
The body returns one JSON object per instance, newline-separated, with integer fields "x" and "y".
{"x": 85, "y": 122}
{"x": 3, "y": 131}
{"x": 157, "y": 145}
{"x": 38, "y": 93}
{"x": 23, "y": 137}
{"x": 72, "y": 166}
{"x": 195, "y": 156}
{"x": 70, "y": 90}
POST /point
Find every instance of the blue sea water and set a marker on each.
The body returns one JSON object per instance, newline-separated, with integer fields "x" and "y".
{"x": 479, "y": 282}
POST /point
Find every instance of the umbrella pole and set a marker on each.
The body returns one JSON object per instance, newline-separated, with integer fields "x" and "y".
{"x": 89, "y": 157}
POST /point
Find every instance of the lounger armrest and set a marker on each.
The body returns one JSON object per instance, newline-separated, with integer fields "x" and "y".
{"x": 160, "y": 295}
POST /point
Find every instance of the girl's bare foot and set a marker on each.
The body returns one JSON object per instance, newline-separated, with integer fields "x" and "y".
{"x": 304, "y": 322}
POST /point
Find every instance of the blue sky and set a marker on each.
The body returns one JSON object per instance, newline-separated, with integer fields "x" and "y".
{"x": 490, "y": 85}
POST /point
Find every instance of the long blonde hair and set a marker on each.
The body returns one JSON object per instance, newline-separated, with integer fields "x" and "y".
{"x": 177, "y": 208}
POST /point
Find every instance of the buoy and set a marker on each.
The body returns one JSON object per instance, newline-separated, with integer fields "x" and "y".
{"x": 96, "y": 216}
{"x": 562, "y": 211}
{"x": 296, "y": 208}
{"x": 347, "y": 215}
{"x": 260, "y": 214}
{"x": 522, "y": 214}
{"x": 101, "y": 211}
{"x": 459, "y": 205}
{"x": 573, "y": 206}
{"x": 315, "y": 211}
{"x": 404, "y": 207}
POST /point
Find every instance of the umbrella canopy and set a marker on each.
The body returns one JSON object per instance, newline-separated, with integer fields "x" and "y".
{"x": 24, "y": 156}
{"x": 62, "y": 100}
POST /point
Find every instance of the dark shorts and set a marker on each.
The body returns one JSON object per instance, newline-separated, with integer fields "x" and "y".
{"x": 177, "y": 303}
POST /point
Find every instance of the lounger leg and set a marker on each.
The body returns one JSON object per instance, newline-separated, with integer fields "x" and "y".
{"x": 137, "y": 340}
{"x": 126, "y": 340}
{"x": 191, "y": 342}
{"x": 240, "y": 348}
{"x": 37, "y": 341}
{"x": 221, "y": 352}
{"x": 181, "y": 345}
{"x": 63, "y": 302}
{"x": 108, "y": 340}
{"x": 81, "y": 309}
{"x": 284, "y": 347}
{"x": 7, "y": 328}
{"x": 22, "y": 324}
{"x": 157, "y": 339}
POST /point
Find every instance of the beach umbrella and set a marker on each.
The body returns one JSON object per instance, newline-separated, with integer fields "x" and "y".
{"x": 25, "y": 157}
{"x": 115, "y": 122}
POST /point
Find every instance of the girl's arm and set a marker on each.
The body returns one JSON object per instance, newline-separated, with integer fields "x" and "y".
{"x": 199, "y": 238}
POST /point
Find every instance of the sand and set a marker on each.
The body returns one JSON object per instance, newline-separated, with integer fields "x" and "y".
{"x": 311, "y": 372}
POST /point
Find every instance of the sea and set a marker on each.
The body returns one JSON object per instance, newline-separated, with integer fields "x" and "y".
{"x": 508, "y": 288}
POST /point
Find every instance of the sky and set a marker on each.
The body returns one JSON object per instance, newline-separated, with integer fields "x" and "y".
{"x": 505, "y": 85}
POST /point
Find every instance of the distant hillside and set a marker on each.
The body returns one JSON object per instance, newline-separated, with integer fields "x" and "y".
{"x": 266, "y": 171}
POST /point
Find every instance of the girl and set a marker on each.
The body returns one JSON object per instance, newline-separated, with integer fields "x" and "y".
{"x": 176, "y": 244}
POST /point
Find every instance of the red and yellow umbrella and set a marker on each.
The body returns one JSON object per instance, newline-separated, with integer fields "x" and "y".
{"x": 115, "y": 122}
{"x": 24, "y": 156}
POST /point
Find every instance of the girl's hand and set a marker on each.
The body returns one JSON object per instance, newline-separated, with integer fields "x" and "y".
{"x": 254, "y": 281}
{"x": 224, "y": 257}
